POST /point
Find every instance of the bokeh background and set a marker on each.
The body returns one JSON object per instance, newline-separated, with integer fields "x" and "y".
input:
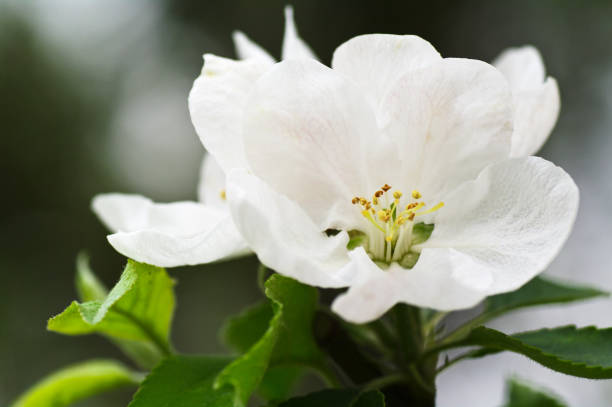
{"x": 94, "y": 99}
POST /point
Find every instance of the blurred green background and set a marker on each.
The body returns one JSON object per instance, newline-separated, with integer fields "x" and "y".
{"x": 94, "y": 99}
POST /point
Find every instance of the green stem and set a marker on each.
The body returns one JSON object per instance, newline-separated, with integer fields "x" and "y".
{"x": 385, "y": 381}
{"x": 382, "y": 332}
{"x": 409, "y": 330}
{"x": 453, "y": 361}
{"x": 433, "y": 322}
{"x": 327, "y": 374}
{"x": 464, "y": 329}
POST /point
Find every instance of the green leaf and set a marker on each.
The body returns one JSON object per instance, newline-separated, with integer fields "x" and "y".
{"x": 276, "y": 334}
{"x": 78, "y": 382}
{"x": 279, "y": 381}
{"x": 585, "y": 352}
{"x": 185, "y": 381}
{"x": 296, "y": 342}
{"x": 294, "y": 345}
{"x": 89, "y": 287}
{"x": 521, "y": 395}
{"x": 337, "y": 398}
{"x": 538, "y": 291}
{"x": 242, "y": 331}
{"x": 245, "y": 373}
{"x": 136, "y": 313}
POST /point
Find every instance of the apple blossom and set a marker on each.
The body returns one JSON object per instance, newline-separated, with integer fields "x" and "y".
{"x": 187, "y": 233}
{"x": 394, "y": 174}
{"x": 536, "y": 98}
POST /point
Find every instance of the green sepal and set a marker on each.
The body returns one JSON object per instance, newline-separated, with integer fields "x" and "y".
{"x": 356, "y": 241}
{"x": 521, "y": 395}
{"x": 136, "y": 314}
{"x": 78, "y": 382}
{"x": 421, "y": 232}
{"x": 584, "y": 352}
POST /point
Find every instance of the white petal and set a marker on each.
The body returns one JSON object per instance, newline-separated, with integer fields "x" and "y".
{"x": 536, "y": 100}
{"x": 449, "y": 120}
{"x": 168, "y": 235}
{"x": 493, "y": 235}
{"x": 211, "y": 188}
{"x": 523, "y": 67}
{"x": 247, "y": 48}
{"x": 376, "y": 61}
{"x": 282, "y": 234}
{"x": 512, "y": 220}
{"x": 216, "y": 104}
{"x": 312, "y": 137}
{"x": 121, "y": 211}
{"x": 436, "y": 281}
{"x": 293, "y": 45}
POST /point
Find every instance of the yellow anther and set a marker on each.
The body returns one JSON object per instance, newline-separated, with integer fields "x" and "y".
{"x": 435, "y": 208}
{"x": 416, "y": 194}
{"x": 363, "y": 201}
{"x": 382, "y": 215}
{"x": 397, "y": 194}
{"x": 375, "y": 200}
{"x": 400, "y": 220}
{"x": 411, "y": 216}
{"x": 222, "y": 194}
{"x": 355, "y": 201}
{"x": 416, "y": 207}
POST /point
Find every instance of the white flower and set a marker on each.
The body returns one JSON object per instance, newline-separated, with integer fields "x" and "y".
{"x": 536, "y": 98}
{"x": 318, "y": 146}
{"x": 187, "y": 233}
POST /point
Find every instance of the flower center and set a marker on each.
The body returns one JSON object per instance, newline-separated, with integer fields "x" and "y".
{"x": 392, "y": 228}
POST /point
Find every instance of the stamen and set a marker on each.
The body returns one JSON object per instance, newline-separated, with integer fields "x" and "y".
{"x": 396, "y": 224}
{"x": 222, "y": 194}
{"x": 415, "y": 207}
{"x": 435, "y": 208}
{"x": 369, "y": 217}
